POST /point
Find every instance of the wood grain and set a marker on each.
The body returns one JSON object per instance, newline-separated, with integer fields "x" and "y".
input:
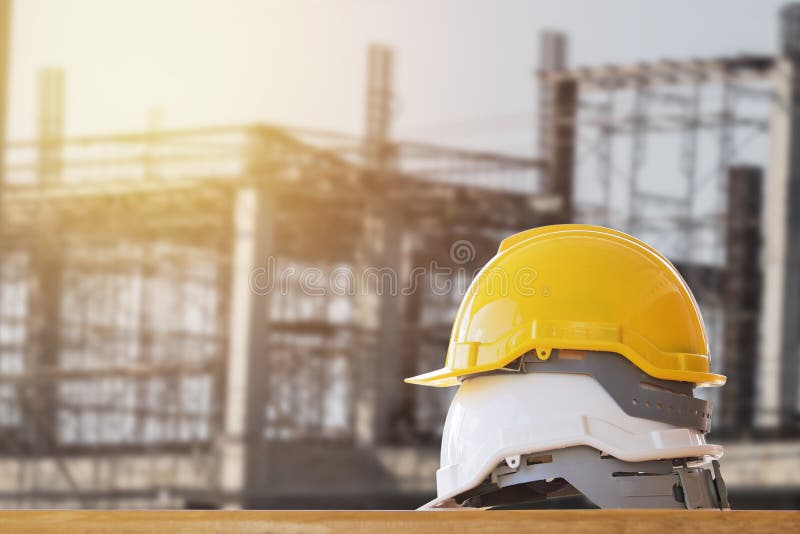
{"x": 440, "y": 522}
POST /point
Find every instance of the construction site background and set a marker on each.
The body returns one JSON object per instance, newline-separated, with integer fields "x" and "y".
{"x": 222, "y": 316}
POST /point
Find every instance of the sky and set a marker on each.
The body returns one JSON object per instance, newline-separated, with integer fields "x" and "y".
{"x": 302, "y": 62}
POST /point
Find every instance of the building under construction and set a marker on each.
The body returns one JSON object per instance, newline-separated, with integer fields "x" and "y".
{"x": 222, "y": 317}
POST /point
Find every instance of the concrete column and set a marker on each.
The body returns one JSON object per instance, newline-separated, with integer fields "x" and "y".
{"x": 742, "y": 292}
{"x": 243, "y": 254}
{"x": 774, "y": 257}
{"x": 553, "y": 53}
{"x": 780, "y": 317}
{"x": 50, "y": 124}
{"x": 381, "y": 266}
{"x": 557, "y": 113}
{"x": 5, "y": 47}
{"x": 252, "y": 243}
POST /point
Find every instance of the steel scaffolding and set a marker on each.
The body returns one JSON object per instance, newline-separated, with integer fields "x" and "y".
{"x": 160, "y": 344}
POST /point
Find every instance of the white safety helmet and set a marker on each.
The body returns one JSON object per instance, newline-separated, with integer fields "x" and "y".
{"x": 577, "y": 408}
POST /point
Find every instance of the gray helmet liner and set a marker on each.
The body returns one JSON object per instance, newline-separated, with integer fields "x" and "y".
{"x": 637, "y": 393}
{"x": 604, "y": 480}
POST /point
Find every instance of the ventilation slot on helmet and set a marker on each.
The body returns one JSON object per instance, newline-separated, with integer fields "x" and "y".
{"x": 571, "y": 355}
{"x": 533, "y": 460}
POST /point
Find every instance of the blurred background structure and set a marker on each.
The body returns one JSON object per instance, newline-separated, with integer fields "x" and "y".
{"x": 159, "y": 346}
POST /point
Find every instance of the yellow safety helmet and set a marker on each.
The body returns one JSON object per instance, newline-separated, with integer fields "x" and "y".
{"x": 578, "y": 287}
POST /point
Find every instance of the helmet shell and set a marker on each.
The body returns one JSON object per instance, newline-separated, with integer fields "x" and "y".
{"x": 578, "y": 287}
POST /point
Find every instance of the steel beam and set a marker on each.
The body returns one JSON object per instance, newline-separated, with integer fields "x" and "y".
{"x": 667, "y": 72}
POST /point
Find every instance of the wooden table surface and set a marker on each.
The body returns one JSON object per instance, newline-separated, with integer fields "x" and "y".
{"x": 439, "y": 522}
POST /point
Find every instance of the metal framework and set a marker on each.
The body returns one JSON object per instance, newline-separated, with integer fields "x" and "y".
{"x": 703, "y": 212}
{"x": 134, "y": 333}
